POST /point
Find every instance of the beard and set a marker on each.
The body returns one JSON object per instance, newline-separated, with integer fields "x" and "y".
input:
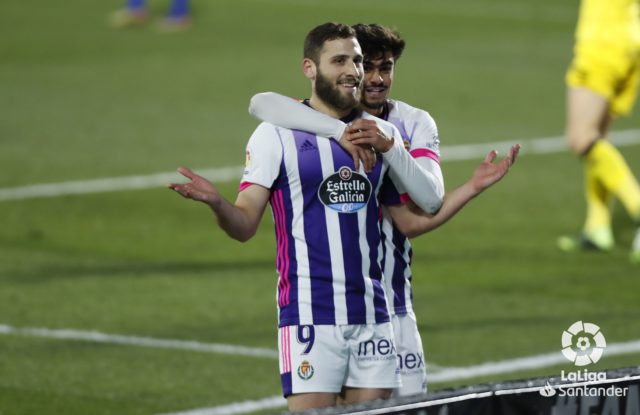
{"x": 370, "y": 105}
{"x": 330, "y": 93}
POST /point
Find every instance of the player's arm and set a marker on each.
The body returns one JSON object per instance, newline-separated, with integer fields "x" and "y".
{"x": 239, "y": 220}
{"x": 412, "y": 222}
{"x": 421, "y": 180}
{"x": 287, "y": 112}
{"x": 424, "y": 147}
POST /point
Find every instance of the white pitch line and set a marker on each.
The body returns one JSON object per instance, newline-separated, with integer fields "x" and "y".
{"x": 237, "y": 408}
{"x": 522, "y": 363}
{"x": 545, "y": 145}
{"x": 97, "y": 337}
{"x": 444, "y": 374}
{"x": 111, "y": 184}
{"x": 441, "y": 374}
{"x": 226, "y": 174}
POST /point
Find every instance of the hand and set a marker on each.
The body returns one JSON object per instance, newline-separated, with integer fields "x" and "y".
{"x": 198, "y": 188}
{"x": 368, "y": 133}
{"x": 360, "y": 153}
{"x": 488, "y": 173}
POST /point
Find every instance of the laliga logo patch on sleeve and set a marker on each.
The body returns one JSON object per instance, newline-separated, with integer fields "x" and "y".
{"x": 345, "y": 191}
{"x": 247, "y": 162}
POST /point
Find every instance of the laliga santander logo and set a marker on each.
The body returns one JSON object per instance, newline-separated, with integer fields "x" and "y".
{"x": 583, "y": 343}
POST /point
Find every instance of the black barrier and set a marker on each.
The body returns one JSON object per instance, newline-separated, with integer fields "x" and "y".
{"x": 614, "y": 392}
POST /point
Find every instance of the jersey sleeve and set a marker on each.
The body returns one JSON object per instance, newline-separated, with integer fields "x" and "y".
{"x": 424, "y": 186}
{"x": 425, "y": 141}
{"x": 289, "y": 113}
{"x": 425, "y": 146}
{"x": 263, "y": 157}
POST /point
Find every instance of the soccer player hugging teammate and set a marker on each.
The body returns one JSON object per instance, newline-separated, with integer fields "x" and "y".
{"x": 382, "y": 47}
{"x": 335, "y": 337}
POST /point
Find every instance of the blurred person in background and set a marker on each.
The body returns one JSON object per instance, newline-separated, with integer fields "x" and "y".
{"x": 382, "y": 47}
{"x": 602, "y": 83}
{"x": 136, "y": 13}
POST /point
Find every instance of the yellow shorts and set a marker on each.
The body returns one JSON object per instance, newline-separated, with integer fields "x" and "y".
{"x": 609, "y": 71}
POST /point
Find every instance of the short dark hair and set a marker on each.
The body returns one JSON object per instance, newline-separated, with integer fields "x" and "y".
{"x": 375, "y": 40}
{"x": 315, "y": 39}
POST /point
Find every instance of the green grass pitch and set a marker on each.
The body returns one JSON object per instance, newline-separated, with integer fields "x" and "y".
{"x": 81, "y": 101}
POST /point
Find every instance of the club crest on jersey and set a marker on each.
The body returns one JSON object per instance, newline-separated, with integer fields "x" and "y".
{"x": 305, "y": 370}
{"x": 345, "y": 191}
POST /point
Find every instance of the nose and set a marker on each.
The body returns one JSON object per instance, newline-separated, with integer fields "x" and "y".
{"x": 355, "y": 69}
{"x": 375, "y": 77}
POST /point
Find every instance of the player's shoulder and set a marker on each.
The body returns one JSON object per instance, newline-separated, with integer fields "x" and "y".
{"x": 266, "y": 129}
{"x": 265, "y": 135}
{"x": 406, "y": 111}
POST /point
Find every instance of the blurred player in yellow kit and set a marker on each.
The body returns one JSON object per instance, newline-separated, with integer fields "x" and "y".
{"x": 602, "y": 83}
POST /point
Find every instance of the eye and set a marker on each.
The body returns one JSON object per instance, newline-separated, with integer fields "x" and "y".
{"x": 386, "y": 68}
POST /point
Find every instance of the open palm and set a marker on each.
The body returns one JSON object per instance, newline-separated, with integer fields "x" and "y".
{"x": 198, "y": 188}
{"x": 489, "y": 173}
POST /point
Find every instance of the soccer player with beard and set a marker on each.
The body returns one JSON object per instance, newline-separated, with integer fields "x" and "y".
{"x": 335, "y": 336}
{"x": 382, "y": 48}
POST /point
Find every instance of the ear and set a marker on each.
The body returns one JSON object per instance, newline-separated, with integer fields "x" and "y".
{"x": 309, "y": 69}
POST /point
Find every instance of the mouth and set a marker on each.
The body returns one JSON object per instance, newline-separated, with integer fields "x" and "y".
{"x": 350, "y": 84}
{"x": 376, "y": 91}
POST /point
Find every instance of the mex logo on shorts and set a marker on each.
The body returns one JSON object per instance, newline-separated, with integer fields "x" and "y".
{"x": 345, "y": 191}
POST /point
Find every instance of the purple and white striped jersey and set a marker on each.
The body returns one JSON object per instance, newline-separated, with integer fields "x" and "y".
{"x": 326, "y": 223}
{"x": 420, "y": 136}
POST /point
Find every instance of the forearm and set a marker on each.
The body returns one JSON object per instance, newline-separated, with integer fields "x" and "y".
{"x": 232, "y": 219}
{"x": 286, "y": 112}
{"x": 424, "y": 184}
{"x": 412, "y": 222}
{"x": 453, "y": 202}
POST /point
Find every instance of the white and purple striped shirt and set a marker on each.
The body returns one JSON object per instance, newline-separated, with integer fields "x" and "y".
{"x": 327, "y": 226}
{"x": 420, "y": 136}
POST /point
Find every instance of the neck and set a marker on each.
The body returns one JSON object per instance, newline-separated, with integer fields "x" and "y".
{"x": 378, "y": 112}
{"x": 319, "y": 105}
{"x": 375, "y": 111}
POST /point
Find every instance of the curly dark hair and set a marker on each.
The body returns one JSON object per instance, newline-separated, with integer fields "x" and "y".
{"x": 375, "y": 40}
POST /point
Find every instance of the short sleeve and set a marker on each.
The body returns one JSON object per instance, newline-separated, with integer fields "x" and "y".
{"x": 263, "y": 157}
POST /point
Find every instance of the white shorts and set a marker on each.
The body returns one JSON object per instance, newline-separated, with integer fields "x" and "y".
{"x": 324, "y": 358}
{"x": 411, "y": 362}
